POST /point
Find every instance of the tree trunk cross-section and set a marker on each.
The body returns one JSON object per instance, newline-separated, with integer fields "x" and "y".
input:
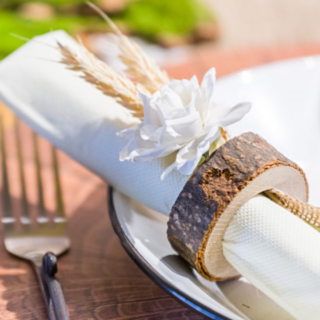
{"x": 228, "y": 172}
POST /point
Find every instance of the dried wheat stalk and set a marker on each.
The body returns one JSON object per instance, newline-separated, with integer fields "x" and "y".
{"x": 143, "y": 69}
{"x": 104, "y": 78}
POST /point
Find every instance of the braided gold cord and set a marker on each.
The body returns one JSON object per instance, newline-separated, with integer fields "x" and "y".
{"x": 305, "y": 211}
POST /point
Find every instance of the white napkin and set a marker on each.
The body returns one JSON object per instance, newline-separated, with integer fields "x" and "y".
{"x": 80, "y": 120}
{"x": 268, "y": 245}
{"x": 278, "y": 253}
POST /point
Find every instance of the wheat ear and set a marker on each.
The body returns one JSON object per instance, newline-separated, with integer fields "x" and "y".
{"x": 104, "y": 78}
{"x": 143, "y": 69}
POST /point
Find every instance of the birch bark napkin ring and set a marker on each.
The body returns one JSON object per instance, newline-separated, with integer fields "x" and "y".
{"x": 242, "y": 168}
{"x": 162, "y": 142}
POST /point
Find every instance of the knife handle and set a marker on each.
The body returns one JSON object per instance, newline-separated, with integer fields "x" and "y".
{"x": 54, "y": 291}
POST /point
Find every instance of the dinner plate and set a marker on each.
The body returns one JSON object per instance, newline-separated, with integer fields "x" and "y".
{"x": 286, "y": 112}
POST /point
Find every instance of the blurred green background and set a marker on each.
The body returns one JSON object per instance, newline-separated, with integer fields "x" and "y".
{"x": 167, "y": 22}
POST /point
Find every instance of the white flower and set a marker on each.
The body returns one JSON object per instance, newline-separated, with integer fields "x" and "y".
{"x": 182, "y": 117}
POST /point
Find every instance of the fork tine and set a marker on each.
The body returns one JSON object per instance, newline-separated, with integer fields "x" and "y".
{"x": 58, "y": 191}
{"x": 24, "y": 199}
{"x": 6, "y": 200}
{"x": 41, "y": 207}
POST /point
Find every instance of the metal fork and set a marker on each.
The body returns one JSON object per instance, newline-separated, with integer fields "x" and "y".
{"x": 38, "y": 241}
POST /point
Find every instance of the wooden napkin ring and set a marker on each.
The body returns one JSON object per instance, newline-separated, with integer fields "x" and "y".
{"x": 236, "y": 172}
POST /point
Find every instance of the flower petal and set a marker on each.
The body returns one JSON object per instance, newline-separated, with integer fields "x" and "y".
{"x": 131, "y": 153}
{"x": 194, "y": 81}
{"x": 140, "y": 150}
{"x": 183, "y": 129}
{"x": 207, "y": 90}
{"x": 150, "y": 115}
{"x": 184, "y": 89}
{"x": 232, "y": 115}
{"x": 150, "y": 132}
{"x": 164, "y": 102}
{"x": 189, "y": 156}
{"x": 208, "y": 83}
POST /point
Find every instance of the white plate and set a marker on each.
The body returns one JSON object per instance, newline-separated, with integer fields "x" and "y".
{"x": 286, "y": 112}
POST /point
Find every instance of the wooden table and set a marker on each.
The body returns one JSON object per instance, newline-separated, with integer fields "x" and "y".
{"x": 98, "y": 278}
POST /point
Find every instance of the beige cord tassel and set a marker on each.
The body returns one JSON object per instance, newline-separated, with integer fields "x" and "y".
{"x": 305, "y": 211}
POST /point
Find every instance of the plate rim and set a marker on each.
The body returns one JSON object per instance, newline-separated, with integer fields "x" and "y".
{"x": 151, "y": 272}
{"x": 261, "y": 66}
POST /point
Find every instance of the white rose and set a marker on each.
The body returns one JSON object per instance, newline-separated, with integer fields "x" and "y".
{"x": 182, "y": 117}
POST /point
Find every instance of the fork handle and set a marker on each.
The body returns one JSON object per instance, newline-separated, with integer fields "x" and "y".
{"x": 51, "y": 289}
{"x": 45, "y": 293}
{"x": 49, "y": 269}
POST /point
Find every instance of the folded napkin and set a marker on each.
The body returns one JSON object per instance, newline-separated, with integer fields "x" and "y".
{"x": 268, "y": 245}
{"x": 78, "y": 119}
{"x": 278, "y": 253}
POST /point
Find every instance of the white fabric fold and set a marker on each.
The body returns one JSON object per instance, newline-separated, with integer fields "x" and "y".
{"x": 272, "y": 248}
